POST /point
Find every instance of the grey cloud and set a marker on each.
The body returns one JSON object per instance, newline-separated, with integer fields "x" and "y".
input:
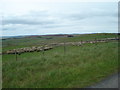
{"x": 32, "y": 18}
{"x": 26, "y": 22}
{"x": 76, "y": 17}
{"x": 39, "y": 13}
{"x": 41, "y": 19}
{"x": 90, "y": 14}
{"x": 55, "y": 26}
{"x": 5, "y": 28}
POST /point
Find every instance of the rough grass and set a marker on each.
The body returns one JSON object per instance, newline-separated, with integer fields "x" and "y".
{"x": 80, "y": 67}
{"x": 26, "y": 42}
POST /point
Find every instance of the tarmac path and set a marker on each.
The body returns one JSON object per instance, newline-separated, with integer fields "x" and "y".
{"x": 110, "y": 82}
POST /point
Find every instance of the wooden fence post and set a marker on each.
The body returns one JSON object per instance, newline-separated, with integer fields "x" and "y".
{"x": 64, "y": 49}
{"x": 95, "y": 41}
{"x": 43, "y": 49}
{"x": 16, "y": 55}
{"x": 43, "y": 54}
{"x": 81, "y": 42}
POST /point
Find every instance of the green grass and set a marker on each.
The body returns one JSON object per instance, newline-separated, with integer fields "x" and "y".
{"x": 27, "y": 42}
{"x": 81, "y": 66}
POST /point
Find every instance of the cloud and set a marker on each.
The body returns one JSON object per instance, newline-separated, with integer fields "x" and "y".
{"x": 63, "y": 18}
{"x": 91, "y": 13}
{"x": 27, "y": 22}
{"x": 32, "y": 18}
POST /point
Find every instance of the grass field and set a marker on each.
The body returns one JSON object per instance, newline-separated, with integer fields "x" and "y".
{"x": 30, "y": 41}
{"x": 78, "y": 67}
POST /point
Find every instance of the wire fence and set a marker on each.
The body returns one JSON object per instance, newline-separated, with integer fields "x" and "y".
{"x": 65, "y": 44}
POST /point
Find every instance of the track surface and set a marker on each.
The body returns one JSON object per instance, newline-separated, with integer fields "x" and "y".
{"x": 110, "y": 82}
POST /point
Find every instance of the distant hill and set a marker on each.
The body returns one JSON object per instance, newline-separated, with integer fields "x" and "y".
{"x": 5, "y": 37}
{"x": 49, "y": 35}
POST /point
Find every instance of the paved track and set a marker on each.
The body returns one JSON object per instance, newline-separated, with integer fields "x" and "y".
{"x": 110, "y": 82}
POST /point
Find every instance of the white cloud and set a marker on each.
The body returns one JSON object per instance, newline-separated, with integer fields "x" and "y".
{"x": 46, "y": 18}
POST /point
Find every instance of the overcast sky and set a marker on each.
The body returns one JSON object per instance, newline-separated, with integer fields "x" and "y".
{"x": 36, "y": 17}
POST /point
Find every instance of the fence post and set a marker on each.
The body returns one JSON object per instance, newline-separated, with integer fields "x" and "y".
{"x": 64, "y": 48}
{"x": 16, "y": 55}
{"x": 43, "y": 51}
{"x": 95, "y": 41}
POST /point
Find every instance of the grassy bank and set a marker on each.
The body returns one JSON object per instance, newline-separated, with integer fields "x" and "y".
{"x": 79, "y": 66}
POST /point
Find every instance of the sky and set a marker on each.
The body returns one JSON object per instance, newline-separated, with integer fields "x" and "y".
{"x": 41, "y": 17}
